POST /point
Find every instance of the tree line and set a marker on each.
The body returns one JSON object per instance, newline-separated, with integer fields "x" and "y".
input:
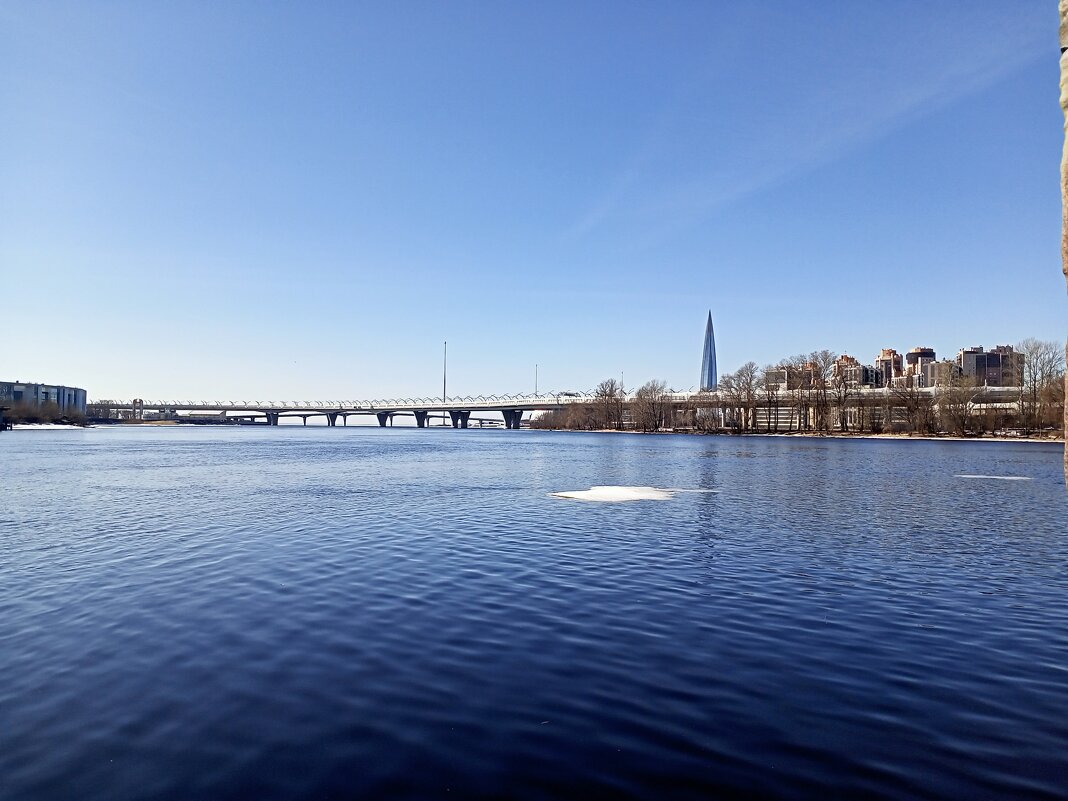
{"x": 804, "y": 394}
{"x": 48, "y": 412}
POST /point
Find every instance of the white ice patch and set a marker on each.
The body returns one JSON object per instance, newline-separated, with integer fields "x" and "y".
{"x": 618, "y": 494}
{"x": 45, "y": 427}
{"x": 995, "y": 478}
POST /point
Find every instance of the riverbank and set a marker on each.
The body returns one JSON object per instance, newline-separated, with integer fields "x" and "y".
{"x": 817, "y": 435}
{"x": 929, "y": 438}
{"x": 46, "y": 427}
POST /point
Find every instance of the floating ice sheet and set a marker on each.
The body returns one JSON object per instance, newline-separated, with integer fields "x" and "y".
{"x": 994, "y": 478}
{"x": 618, "y": 494}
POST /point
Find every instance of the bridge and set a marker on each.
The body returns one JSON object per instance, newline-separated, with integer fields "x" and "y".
{"x": 459, "y": 409}
{"x": 512, "y": 408}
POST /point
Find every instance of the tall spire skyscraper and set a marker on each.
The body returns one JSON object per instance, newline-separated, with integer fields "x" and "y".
{"x": 708, "y": 358}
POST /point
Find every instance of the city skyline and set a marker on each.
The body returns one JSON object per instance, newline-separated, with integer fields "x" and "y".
{"x": 708, "y": 379}
{"x": 318, "y": 198}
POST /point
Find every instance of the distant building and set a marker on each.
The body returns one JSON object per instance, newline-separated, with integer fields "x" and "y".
{"x": 709, "y": 379}
{"x": 777, "y": 379}
{"x": 941, "y": 374}
{"x": 888, "y": 366}
{"x": 68, "y": 399}
{"x": 852, "y": 373}
{"x": 916, "y": 359}
{"x": 1000, "y": 367}
{"x": 787, "y": 377}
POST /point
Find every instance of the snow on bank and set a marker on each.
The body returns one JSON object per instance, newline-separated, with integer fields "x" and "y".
{"x": 45, "y": 427}
{"x": 619, "y": 494}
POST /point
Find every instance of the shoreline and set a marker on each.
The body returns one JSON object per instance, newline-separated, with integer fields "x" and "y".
{"x": 780, "y": 434}
{"x": 815, "y": 435}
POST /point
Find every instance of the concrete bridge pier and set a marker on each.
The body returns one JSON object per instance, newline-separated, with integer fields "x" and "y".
{"x": 304, "y": 417}
{"x": 513, "y": 418}
{"x": 459, "y": 419}
{"x": 331, "y": 419}
{"x": 384, "y": 418}
{"x": 272, "y": 418}
{"x": 420, "y": 419}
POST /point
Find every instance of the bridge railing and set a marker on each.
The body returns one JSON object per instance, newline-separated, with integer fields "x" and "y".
{"x": 541, "y": 400}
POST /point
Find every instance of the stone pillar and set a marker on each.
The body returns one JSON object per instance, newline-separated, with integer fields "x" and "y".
{"x": 1062, "y": 6}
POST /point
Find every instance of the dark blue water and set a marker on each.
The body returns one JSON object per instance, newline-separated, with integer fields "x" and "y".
{"x": 295, "y": 613}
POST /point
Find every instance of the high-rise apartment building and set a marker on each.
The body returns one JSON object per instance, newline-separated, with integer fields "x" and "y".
{"x": 888, "y": 365}
{"x": 917, "y": 358}
{"x": 940, "y": 374}
{"x": 1000, "y": 367}
{"x": 852, "y": 373}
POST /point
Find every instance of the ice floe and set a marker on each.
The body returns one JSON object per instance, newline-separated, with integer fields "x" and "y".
{"x": 995, "y": 478}
{"x": 618, "y": 494}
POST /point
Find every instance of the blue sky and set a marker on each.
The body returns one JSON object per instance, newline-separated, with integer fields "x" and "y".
{"x": 301, "y": 200}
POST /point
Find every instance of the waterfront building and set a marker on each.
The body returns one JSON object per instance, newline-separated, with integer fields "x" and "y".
{"x": 68, "y": 399}
{"x": 1000, "y": 367}
{"x": 709, "y": 380}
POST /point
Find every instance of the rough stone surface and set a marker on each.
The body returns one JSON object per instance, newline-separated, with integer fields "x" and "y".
{"x": 1063, "y": 37}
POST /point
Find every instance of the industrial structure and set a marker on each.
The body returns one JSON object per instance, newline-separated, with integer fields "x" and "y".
{"x": 18, "y": 393}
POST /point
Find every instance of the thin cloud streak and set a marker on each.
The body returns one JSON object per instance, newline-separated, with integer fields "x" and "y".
{"x": 818, "y": 128}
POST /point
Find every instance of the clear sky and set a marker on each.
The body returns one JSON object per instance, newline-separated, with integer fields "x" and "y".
{"x": 303, "y": 200}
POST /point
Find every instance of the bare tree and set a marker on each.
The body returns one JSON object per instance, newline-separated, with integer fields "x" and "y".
{"x": 1043, "y": 365}
{"x": 798, "y": 383}
{"x": 918, "y": 405}
{"x": 706, "y": 411}
{"x": 609, "y": 402}
{"x": 650, "y": 406}
{"x": 769, "y": 394}
{"x": 731, "y": 402}
{"x": 956, "y": 404}
{"x": 1052, "y": 404}
{"x": 840, "y": 396}
{"x": 746, "y": 381}
{"x": 820, "y": 367}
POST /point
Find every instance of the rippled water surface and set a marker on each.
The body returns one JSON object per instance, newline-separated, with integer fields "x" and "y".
{"x": 294, "y": 613}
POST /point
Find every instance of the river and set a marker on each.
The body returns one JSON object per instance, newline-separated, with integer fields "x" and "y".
{"x": 291, "y": 613}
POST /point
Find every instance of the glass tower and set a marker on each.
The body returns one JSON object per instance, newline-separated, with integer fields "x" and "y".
{"x": 708, "y": 358}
